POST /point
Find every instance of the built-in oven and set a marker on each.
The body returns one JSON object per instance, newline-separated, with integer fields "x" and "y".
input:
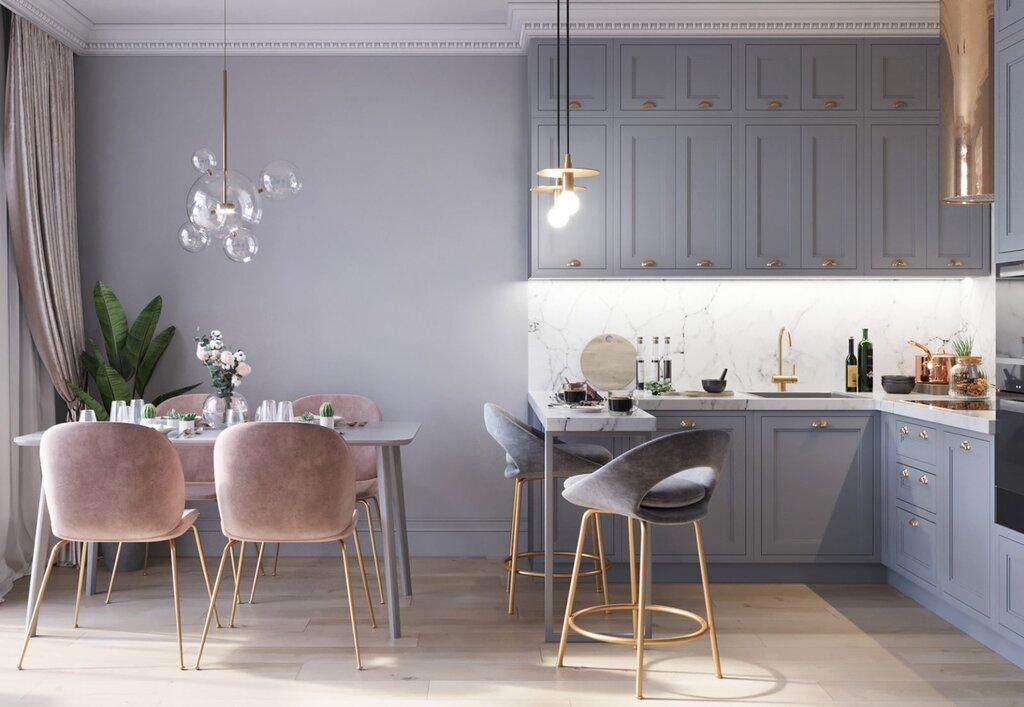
{"x": 1010, "y": 402}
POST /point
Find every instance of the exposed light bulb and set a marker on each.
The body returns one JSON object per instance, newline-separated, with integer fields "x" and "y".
{"x": 569, "y": 202}
{"x": 558, "y": 217}
{"x": 225, "y": 209}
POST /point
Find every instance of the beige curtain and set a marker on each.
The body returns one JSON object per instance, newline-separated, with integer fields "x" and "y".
{"x": 39, "y": 151}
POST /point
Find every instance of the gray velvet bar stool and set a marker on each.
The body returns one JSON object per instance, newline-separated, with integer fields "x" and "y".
{"x": 667, "y": 481}
{"x": 524, "y": 457}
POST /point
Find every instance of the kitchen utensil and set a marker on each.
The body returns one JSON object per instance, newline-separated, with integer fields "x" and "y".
{"x": 932, "y": 367}
{"x": 608, "y": 362}
{"x": 898, "y": 385}
{"x": 620, "y": 404}
{"x": 713, "y": 385}
{"x": 723, "y": 374}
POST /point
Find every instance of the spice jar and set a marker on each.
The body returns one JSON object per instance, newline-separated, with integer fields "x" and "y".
{"x": 968, "y": 379}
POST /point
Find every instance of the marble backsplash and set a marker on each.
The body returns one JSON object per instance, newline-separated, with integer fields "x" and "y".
{"x": 734, "y": 324}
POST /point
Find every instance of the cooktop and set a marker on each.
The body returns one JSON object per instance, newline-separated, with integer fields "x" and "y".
{"x": 968, "y": 405}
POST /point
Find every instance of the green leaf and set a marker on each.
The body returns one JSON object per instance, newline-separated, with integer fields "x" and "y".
{"x": 140, "y": 334}
{"x": 112, "y": 385}
{"x": 152, "y": 357}
{"x": 174, "y": 393}
{"x": 113, "y": 324}
{"x": 90, "y": 363}
{"x": 90, "y": 402}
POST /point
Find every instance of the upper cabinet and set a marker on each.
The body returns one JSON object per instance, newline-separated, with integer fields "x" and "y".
{"x": 829, "y": 77}
{"x": 589, "y": 88}
{"x": 661, "y": 78}
{"x": 773, "y": 77}
{"x": 1009, "y": 17}
{"x": 904, "y": 77}
{"x": 1010, "y": 149}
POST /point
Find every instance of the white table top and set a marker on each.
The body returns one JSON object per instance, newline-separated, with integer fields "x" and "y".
{"x": 372, "y": 434}
{"x": 555, "y": 417}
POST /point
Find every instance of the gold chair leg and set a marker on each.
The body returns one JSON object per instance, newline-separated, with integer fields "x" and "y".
{"x": 594, "y": 550}
{"x": 229, "y": 548}
{"x": 277, "y": 556}
{"x": 577, "y": 561}
{"x": 113, "y": 572}
{"x": 39, "y": 598}
{"x": 632, "y": 568}
{"x": 707, "y": 598}
{"x": 145, "y": 561}
{"x": 373, "y": 543}
{"x": 351, "y": 604}
{"x": 256, "y": 574}
{"x": 238, "y": 583}
{"x": 642, "y": 601}
{"x": 202, "y": 566}
{"x": 362, "y": 573}
{"x": 517, "y": 504}
{"x": 81, "y": 579}
{"x": 177, "y": 600}
{"x": 600, "y": 555}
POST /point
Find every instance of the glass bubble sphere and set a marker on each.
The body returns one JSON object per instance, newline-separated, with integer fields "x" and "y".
{"x": 191, "y": 238}
{"x": 204, "y": 203}
{"x": 204, "y": 159}
{"x": 241, "y": 245}
{"x": 279, "y": 180}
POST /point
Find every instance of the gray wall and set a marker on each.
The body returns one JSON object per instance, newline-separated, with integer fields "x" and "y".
{"x": 399, "y": 272}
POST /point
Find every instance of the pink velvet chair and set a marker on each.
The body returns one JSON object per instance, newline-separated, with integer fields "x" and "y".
{"x": 364, "y": 461}
{"x": 113, "y": 482}
{"x": 284, "y": 482}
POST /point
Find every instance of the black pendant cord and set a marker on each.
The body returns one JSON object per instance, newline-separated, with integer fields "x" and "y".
{"x": 567, "y": 150}
{"x": 558, "y": 82}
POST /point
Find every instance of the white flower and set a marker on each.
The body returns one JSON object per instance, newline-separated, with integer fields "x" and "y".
{"x": 215, "y": 334}
{"x": 216, "y": 345}
{"x": 235, "y": 380}
{"x": 200, "y": 352}
{"x": 239, "y": 355}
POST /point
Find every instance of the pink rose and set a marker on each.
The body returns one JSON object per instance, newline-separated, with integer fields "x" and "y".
{"x": 227, "y": 358}
{"x": 243, "y": 369}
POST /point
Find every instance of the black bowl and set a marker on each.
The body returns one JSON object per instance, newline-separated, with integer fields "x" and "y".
{"x": 713, "y": 385}
{"x": 897, "y": 387}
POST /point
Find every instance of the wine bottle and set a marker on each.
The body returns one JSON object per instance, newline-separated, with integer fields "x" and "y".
{"x": 654, "y": 362}
{"x": 851, "y": 370}
{"x": 666, "y": 361}
{"x": 640, "y": 363}
{"x": 865, "y": 365}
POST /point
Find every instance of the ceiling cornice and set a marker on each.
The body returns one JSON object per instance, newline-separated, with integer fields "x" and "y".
{"x": 525, "y": 20}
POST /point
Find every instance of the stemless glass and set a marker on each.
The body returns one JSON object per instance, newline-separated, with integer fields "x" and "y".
{"x": 267, "y": 411}
{"x": 87, "y": 415}
{"x": 136, "y": 410}
{"x": 119, "y": 411}
{"x": 285, "y": 411}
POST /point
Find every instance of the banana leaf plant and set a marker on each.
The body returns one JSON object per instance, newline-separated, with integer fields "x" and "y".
{"x": 133, "y": 349}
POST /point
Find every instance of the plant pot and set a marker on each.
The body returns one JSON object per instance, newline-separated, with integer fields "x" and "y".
{"x": 215, "y": 409}
{"x": 326, "y": 421}
{"x": 186, "y": 425}
{"x": 132, "y": 556}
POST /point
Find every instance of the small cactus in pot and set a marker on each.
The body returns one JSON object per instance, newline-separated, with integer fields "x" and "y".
{"x": 149, "y": 415}
{"x": 327, "y": 415}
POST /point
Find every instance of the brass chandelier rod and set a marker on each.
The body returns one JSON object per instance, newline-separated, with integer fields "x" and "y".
{"x": 224, "y": 105}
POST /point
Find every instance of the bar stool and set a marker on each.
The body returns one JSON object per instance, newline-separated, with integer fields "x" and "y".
{"x": 524, "y": 456}
{"x": 667, "y": 481}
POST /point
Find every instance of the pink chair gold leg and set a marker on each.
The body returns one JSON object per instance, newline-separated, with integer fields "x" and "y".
{"x": 228, "y": 550}
{"x": 351, "y": 604}
{"x": 177, "y": 601}
{"x": 256, "y": 574}
{"x": 113, "y": 572}
{"x": 206, "y": 574}
{"x": 81, "y": 580}
{"x": 362, "y": 574}
{"x": 39, "y": 598}
{"x": 238, "y": 583}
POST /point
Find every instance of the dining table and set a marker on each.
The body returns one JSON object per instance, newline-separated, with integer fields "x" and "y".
{"x": 387, "y": 436}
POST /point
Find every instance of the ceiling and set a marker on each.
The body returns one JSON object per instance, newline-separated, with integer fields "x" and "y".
{"x": 442, "y": 26}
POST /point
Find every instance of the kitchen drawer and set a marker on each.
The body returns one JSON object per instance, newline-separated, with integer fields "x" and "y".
{"x": 917, "y": 540}
{"x": 916, "y": 441}
{"x": 916, "y": 487}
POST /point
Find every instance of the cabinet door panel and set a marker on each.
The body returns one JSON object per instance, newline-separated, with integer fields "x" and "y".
{"x": 648, "y": 197}
{"x": 1009, "y": 16}
{"x": 900, "y": 196}
{"x": 829, "y": 197}
{"x": 917, "y": 541}
{"x": 704, "y": 77}
{"x": 899, "y": 77}
{"x": 648, "y": 77}
{"x": 773, "y": 77}
{"x": 589, "y": 65}
{"x": 773, "y": 197}
{"x": 1010, "y": 556}
{"x": 829, "y": 77}
{"x": 969, "y": 517}
{"x": 1010, "y": 152}
{"x": 704, "y": 197}
{"x": 584, "y": 239}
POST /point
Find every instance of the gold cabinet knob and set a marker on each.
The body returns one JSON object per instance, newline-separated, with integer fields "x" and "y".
{"x": 688, "y": 424}
{"x": 573, "y": 263}
{"x": 923, "y": 434}
{"x": 965, "y": 445}
{"x": 704, "y": 105}
{"x": 830, "y": 104}
{"x": 819, "y": 424}
{"x": 924, "y": 479}
{"x": 647, "y": 105}
{"x": 899, "y": 105}
{"x": 705, "y": 263}
{"x": 914, "y": 522}
{"x": 774, "y": 105}
{"x": 830, "y": 263}
{"x": 904, "y": 430}
{"x": 648, "y": 263}
{"x": 955, "y": 263}
{"x": 899, "y": 263}
{"x": 905, "y": 473}
{"x": 775, "y": 263}
{"x": 575, "y": 105}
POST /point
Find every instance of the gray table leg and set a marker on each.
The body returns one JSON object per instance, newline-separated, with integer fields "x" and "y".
{"x": 385, "y": 476}
{"x": 90, "y": 569}
{"x": 40, "y": 553}
{"x": 401, "y": 532}
{"x": 549, "y": 537}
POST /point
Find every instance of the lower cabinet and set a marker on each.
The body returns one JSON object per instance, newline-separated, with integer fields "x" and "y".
{"x": 917, "y": 540}
{"x": 967, "y": 498}
{"x": 817, "y": 488}
{"x": 1010, "y": 576}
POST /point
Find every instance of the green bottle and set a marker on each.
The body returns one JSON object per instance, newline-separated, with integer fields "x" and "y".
{"x": 865, "y": 365}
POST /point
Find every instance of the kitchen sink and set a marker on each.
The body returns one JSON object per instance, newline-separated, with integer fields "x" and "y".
{"x": 798, "y": 394}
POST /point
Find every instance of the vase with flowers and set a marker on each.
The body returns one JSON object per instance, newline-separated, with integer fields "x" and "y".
{"x": 227, "y": 371}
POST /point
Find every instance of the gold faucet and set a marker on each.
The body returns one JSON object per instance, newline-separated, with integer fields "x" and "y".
{"x": 780, "y": 379}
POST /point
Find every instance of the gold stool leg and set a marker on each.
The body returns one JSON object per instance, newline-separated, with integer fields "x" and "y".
{"x": 177, "y": 601}
{"x": 238, "y": 583}
{"x": 145, "y": 561}
{"x": 39, "y": 598}
{"x": 707, "y": 598}
{"x": 632, "y": 567}
{"x": 594, "y": 550}
{"x": 81, "y": 579}
{"x": 351, "y": 604}
{"x": 577, "y": 561}
{"x": 642, "y": 601}
{"x": 513, "y": 537}
{"x": 202, "y": 566}
{"x": 600, "y": 555}
{"x": 113, "y": 572}
{"x": 362, "y": 573}
{"x": 256, "y": 574}
{"x": 229, "y": 548}
{"x": 373, "y": 543}
{"x": 277, "y": 556}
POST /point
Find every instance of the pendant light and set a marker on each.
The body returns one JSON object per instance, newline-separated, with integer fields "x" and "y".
{"x": 564, "y": 189}
{"x": 225, "y": 204}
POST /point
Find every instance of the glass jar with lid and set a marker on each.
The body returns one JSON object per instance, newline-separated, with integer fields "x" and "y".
{"x": 968, "y": 379}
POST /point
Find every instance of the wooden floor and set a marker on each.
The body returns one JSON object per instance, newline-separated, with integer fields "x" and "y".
{"x": 781, "y": 644}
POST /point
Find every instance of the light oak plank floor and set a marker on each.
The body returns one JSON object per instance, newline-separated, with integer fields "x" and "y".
{"x": 789, "y": 644}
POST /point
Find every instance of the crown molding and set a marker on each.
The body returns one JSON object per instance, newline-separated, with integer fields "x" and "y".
{"x": 525, "y": 21}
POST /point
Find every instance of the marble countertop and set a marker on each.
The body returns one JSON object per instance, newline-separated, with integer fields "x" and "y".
{"x": 559, "y": 418}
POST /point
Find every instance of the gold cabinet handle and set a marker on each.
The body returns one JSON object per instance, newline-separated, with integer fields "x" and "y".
{"x": 924, "y": 479}
{"x": 573, "y": 263}
{"x": 687, "y": 424}
{"x": 904, "y": 431}
{"x": 819, "y": 424}
{"x": 830, "y": 104}
{"x": 774, "y": 263}
{"x": 923, "y": 434}
{"x": 955, "y": 263}
{"x": 965, "y": 445}
{"x": 705, "y": 263}
{"x": 647, "y": 105}
{"x": 648, "y": 263}
{"x": 575, "y": 105}
{"x": 704, "y": 105}
{"x": 830, "y": 263}
{"x": 905, "y": 473}
{"x": 899, "y": 263}
{"x": 899, "y": 105}
{"x": 914, "y": 522}
{"x": 774, "y": 104}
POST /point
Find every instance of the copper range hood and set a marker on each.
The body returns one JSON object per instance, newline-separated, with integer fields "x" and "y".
{"x": 966, "y": 127}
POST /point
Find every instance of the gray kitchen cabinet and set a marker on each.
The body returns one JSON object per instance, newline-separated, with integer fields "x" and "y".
{"x": 590, "y": 78}
{"x": 829, "y": 77}
{"x": 704, "y": 77}
{"x": 660, "y": 78}
{"x": 648, "y": 192}
{"x": 704, "y": 197}
{"x": 967, "y": 511}
{"x": 829, "y": 189}
{"x": 1010, "y": 151}
{"x": 900, "y": 203}
{"x": 773, "y": 77}
{"x": 916, "y": 537}
{"x": 581, "y": 247}
{"x": 901, "y": 79}
{"x": 647, "y": 76}
{"x": 773, "y": 230}
{"x": 817, "y": 488}
{"x": 725, "y": 527}
{"x": 960, "y": 240}
{"x": 1009, "y": 17}
{"x": 1010, "y": 577}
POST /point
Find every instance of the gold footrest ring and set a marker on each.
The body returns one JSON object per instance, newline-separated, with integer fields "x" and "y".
{"x": 631, "y": 641}
{"x": 558, "y": 575}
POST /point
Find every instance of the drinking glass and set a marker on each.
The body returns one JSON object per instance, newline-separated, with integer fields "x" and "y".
{"x": 285, "y": 413}
{"x": 267, "y": 411}
{"x": 119, "y": 411}
{"x": 136, "y": 410}
{"x": 87, "y": 415}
